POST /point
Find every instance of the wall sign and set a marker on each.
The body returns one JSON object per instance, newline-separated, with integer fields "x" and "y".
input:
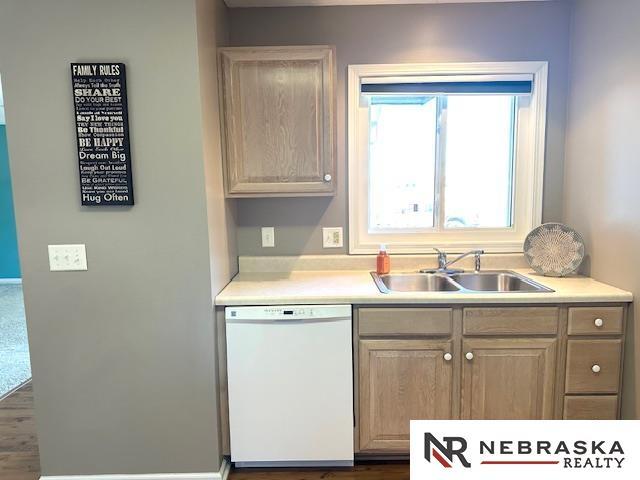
{"x": 102, "y": 128}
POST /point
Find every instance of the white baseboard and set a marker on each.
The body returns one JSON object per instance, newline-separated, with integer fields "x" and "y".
{"x": 222, "y": 474}
{"x": 10, "y": 281}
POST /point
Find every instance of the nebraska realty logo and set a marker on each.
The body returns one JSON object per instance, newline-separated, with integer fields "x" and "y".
{"x": 455, "y": 447}
{"x": 503, "y": 449}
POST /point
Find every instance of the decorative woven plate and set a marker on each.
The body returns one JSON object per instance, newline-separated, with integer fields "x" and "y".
{"x": 554, "y": 250}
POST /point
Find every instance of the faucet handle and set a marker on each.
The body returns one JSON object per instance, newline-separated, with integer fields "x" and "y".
{"x": 477, "y": 254}
{"x": 442, "y": 258}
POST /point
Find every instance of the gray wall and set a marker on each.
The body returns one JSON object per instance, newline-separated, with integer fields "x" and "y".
{"x": 602, "y": 166}
{"x": 123, "y": 354}
{"x": 212, "y": 20}
{"x": 396, "y": 34}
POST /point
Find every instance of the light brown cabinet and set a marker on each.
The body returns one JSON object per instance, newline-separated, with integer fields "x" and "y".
{"x": 483, "y": 362}
{"x": 593, "y": 372}
{"x": 278, "y": 120}
{"x": 402, "y": 380}
{"x": 508, "y": 379}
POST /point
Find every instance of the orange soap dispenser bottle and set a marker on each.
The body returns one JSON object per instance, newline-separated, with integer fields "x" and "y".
{"x": 383, "y": 261}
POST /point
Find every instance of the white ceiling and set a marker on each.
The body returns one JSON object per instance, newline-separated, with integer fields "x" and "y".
{"x": 321, "y": 3}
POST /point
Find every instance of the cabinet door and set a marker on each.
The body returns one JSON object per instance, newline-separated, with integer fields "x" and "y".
{"x": 279, "y": 120}
{"x": 401, "y": 380}
{"x": 508, "y": 378}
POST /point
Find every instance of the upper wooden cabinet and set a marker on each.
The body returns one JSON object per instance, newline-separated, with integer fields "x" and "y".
{"x": 278, "y": 120}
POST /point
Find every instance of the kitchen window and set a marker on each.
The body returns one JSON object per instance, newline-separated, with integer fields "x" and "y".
{"x": 446, "y": 155}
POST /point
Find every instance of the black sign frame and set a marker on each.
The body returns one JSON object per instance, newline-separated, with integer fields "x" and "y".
{"x": 102, "y": 133}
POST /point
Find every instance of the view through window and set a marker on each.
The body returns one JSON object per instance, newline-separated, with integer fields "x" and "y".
{"x": 441, "y": 161}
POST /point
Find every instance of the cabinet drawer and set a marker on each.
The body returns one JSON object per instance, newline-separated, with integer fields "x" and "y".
{"x": 595, "y": 320}
{"x": 510, "y": 321}
{"x": 602, "y": 407}
{"x": 405, "y": 321}
{"x": 593, "y": 366}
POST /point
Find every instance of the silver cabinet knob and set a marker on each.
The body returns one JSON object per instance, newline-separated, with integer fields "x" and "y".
{"x": 448, "y": 357}
{"x": 595, "y": 368}
{"x": 469, "y": 356}
{"x": 327, "y": 177}
{"x": 598, "y": 322}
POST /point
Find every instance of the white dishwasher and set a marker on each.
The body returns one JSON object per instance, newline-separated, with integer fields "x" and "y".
{"x": 290, "y": 385}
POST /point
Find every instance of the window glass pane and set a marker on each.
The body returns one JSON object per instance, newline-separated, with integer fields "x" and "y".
{"x": 479, "y": 161}
{"x": 402, "y": 152}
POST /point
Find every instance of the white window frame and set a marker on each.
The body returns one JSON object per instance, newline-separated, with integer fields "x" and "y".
{"x": 529, "y": 161}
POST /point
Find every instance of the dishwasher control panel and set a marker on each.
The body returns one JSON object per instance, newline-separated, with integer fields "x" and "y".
{"x": 284, "y": 312}
{"x": 291, "y": 312}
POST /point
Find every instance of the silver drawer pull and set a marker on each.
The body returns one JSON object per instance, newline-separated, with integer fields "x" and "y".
{"x": 447, "y": 357}
{"x": 598, "y": 322}
{"x": 469, "y": 356}
{"x": 595, "y": 368}
{"x": 327, "y": 178}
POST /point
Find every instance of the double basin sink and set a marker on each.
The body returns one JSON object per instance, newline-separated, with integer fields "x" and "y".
{"x": 494, "y": 281}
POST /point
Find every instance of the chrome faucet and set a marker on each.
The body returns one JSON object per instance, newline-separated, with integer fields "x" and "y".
{"x": 443, "y": 264}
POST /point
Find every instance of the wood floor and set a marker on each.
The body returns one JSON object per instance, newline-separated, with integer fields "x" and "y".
{"x": 19, "y": 452}
{"x": 362, "y": 471}
{"x": 19, "y": 458}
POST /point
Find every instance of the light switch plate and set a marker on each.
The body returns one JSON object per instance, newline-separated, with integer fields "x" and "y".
{"x": 67, "y": 258}
{"x": 332, "y": 237}
{"x": 268, "y": 237}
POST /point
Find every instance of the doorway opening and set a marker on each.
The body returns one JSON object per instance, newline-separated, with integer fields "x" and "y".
{"x": 15, "y": 367}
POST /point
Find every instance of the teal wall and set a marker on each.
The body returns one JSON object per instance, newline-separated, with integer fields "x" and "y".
{"x": 9, "y": 263}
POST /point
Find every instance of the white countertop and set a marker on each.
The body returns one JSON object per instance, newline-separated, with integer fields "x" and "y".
{"x": 358, "y": 287}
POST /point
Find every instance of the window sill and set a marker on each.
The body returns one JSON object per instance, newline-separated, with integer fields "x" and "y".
{"x": 421, "y": 248}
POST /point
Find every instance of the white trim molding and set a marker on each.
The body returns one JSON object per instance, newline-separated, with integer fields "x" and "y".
{"x": 222, "y": 474}
{"x": 529, "y": 161}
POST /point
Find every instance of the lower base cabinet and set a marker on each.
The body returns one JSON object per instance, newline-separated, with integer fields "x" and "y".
{"x": 484, "y": 363}
{"x": 402, "y": 380}
{"x": 508, "y": 379}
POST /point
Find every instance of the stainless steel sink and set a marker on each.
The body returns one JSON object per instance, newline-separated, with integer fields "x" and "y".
{"x": 495, "y": 281}
{"x": 414, "y": 282}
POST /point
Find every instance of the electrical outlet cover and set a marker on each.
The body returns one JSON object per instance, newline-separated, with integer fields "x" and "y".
{"x": 268, "y": 237}
{"x": 332, "y": 237}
